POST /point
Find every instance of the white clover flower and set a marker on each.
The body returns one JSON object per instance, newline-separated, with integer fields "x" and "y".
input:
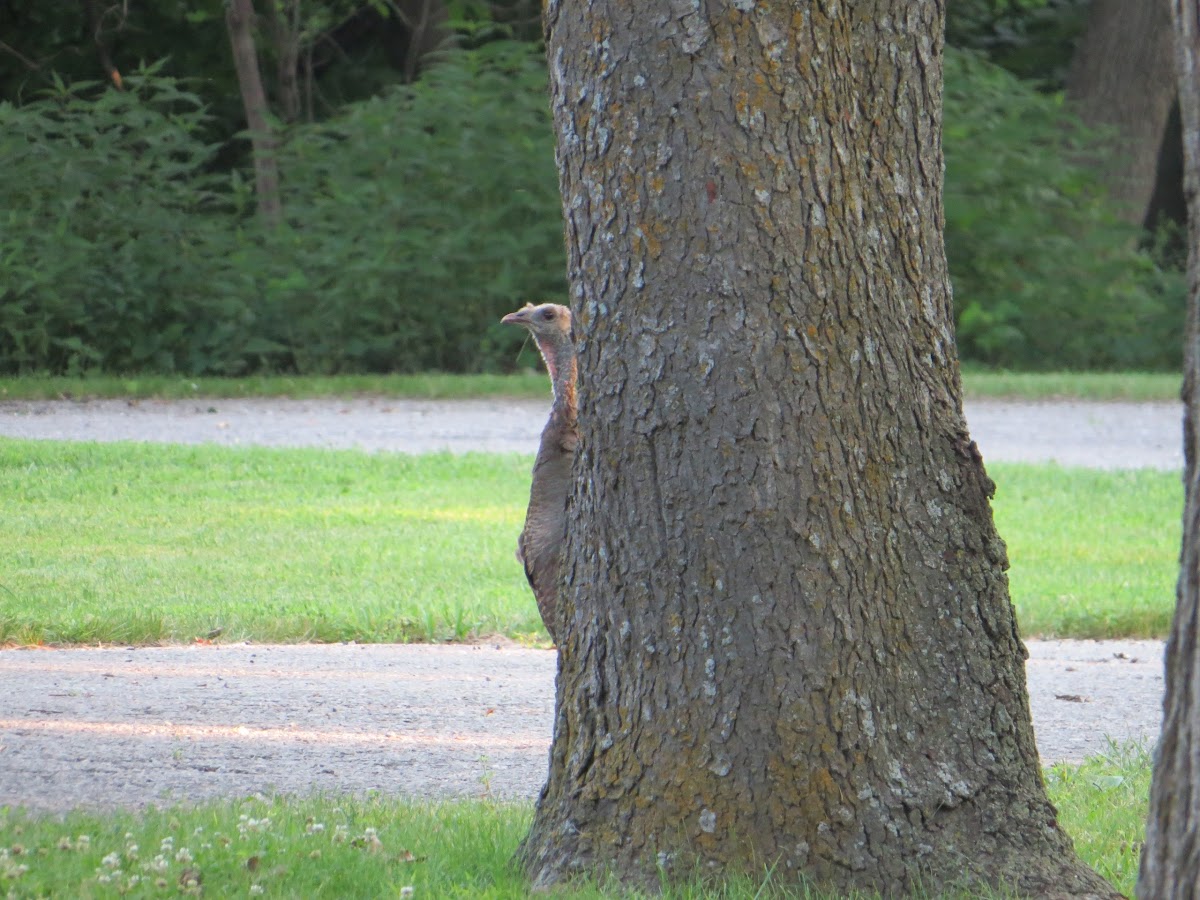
{"x": 159, "y": 864}
{"x": 256, "y": 889}
{"x": 406, "y": 891}
{"x": 112, "y": 861}
{"x": 184, "y": 855}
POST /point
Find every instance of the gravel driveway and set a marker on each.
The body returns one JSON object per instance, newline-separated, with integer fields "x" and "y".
{"x": 128, "y": 727}
{"x": 1102, "y": 435}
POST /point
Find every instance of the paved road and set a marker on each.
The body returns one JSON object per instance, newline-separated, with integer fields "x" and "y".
{"x": 1103, "y": 435}
{"x": 128, "y": 727}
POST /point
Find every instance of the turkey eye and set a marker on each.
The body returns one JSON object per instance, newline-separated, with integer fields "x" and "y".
{"x": 548, "y": 314}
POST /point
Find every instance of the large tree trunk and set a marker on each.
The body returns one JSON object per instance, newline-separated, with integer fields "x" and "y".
{"x": 1122, "y": 78}
{"x": 1171, "y": 856}
{"x": 239, "y": 19}
{"x": 788, "y": 637}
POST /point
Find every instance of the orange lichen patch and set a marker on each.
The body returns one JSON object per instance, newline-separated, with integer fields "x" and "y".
{"x": 749, "y": 169}
{"x": 741, "y": 104}
{"x": 652, "y": 243}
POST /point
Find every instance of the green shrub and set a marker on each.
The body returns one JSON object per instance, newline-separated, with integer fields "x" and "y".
{"x": 110, "y": 224}
{"x": 415, "y": 219}
{"x": 1045, "y": 276}
{"x": 1033, "y": 39}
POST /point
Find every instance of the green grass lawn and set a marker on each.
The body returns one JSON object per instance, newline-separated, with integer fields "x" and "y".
{"x": 143, "y": 543}
{"x": 134, "y": 543}
{"x": 977, "y": 384}
{"x": 373, "y": 847}
{"x": 1130, "y": 386}
{"x": 1093, "y": 554}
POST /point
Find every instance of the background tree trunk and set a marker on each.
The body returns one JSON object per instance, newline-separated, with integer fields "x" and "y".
{"x": 428, "y": 30}
{"x": 1171, "y": 856}
{"x": 1122, "y": 77}
{"x": 239, "y": 18}
{"x": 286, "y": 30}
{"x": 788, "y": 638}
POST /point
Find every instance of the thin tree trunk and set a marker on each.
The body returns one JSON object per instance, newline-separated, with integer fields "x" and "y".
{"x": 101, "y": 40}
{"x": 426, "y": 21}
{"x": 285, "y": 28}
{"x": 239, "y": 19}
{"x": 788, "y": 637}
{"x": 1171, "y": 856}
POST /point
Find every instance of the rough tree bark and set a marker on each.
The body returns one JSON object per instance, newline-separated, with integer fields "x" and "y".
{"x": 1171, "y": 856}
{"x": 1122, "y": 77}
{"x": 788, "y": 637}
{"x": 239, "y": 19}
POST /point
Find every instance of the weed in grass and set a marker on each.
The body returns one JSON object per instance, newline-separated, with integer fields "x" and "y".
{"x": 347, "y": 847}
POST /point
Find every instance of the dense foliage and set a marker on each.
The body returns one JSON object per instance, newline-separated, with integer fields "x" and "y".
{"x": 1031, "y": 38}
{"x": 1045, "y": 276}
{"x": 413, "y": 219}
{"x": 415, "y": 214}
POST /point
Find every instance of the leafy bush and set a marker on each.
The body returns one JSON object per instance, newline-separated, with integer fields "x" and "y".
{"x": 415, "y": 218}
{"x": 1045, "y": 276}
{"x": 1033, "y": 39}
{"x": 109, "y": 226}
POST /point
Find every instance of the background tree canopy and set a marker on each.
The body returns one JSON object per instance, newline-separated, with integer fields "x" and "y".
{"x": 420, "y": 196}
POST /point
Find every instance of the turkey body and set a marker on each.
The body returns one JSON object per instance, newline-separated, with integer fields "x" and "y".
{"x": 540, "y": 546}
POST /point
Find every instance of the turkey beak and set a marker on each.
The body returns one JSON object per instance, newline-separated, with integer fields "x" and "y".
{"x": 514, "y": 318}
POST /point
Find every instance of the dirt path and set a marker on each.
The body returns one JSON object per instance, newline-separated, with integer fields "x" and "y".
{"x": 128, "y": 727}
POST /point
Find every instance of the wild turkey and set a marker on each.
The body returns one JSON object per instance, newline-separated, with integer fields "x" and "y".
{"x": 540, "y": 546}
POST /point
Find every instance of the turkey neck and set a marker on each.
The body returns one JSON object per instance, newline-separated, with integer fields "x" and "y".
{"x": 560, "y": 362}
